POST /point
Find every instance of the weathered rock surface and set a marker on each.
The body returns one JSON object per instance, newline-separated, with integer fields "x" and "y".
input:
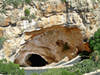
{"x": 4, "y": 21}
{"x": 1, "y": 31}
{"x": 52, "y": 44}
{"x": 83, "y": 14}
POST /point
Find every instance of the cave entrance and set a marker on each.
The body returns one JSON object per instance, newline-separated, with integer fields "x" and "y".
{"x": 35, "y": 60}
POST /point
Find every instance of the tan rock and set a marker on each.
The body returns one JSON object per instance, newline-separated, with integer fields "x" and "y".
{"x": 60, "y": 8}
{"x": 9, "y": 7}
{"x": 52, "y": 20}
{"x": 8, "y": 51}
{"x": 49, "y": 9}
{"x": 57, "y": 18}
{"x": 8, "y": 54}
{"x": 48, "y": 45}
{"x": 7, "y": 20}
{"x": 88, "y": 33}
{"x": 8, "y": 13}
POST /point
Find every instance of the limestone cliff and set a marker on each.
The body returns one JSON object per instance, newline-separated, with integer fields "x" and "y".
{"x": 52, "y": 44}
{"x": 82, "y": 14}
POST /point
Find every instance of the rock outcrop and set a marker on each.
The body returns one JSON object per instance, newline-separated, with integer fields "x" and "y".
{"x": 83, "y": 14}
{"x": 52, "y": 44}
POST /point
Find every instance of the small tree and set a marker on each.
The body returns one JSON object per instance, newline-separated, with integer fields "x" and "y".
{"x": 27, "y": 12}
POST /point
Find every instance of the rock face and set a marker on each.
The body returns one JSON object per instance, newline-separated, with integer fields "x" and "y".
{"x": 4, "y": 21}
{"x": 51, "y": 45}
{"x": 83, "y": 14}
{"x": 1, "y": 31}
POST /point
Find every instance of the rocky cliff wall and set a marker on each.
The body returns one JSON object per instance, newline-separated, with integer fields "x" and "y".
{"x": 74, "y": 13}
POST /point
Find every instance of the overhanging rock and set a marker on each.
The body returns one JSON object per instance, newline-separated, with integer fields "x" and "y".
{"x": 51, "y": 45}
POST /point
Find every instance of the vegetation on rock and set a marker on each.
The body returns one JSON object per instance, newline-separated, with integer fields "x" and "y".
{"x": 26, "y": 18}
{"x": 94, "y": 42}
{"x": 28, "y": 1}
{"x": 32, "y": 16}
{"x": 61, "y": 71}
{"x": 3, "y": 11}
{"x": 86, "y": 66}
{"x": 10, "y": 68}
{"x": 14, "y": 2}
{"x": 42, "y": 0}
{"x": 66, "y": 47}
{"x": 29, "y": 17}
{"x": 2, "y": 39}
{"x": 64, "y": 0}
{"x": 27, "y": 12}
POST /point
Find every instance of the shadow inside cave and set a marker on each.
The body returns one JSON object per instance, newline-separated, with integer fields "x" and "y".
{"x": 35, "y": 60}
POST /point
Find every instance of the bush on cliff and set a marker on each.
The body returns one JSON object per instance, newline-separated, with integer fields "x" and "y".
{"x": 94, "y": 42}
{"x": 2, "y": 39}
{"x": 27, "y": 12}
{"x": 10, "y": 68}
{"x": 28, "y": 1}
{"x": 14, "y": 2}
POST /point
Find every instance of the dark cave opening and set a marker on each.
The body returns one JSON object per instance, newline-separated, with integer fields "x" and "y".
{"x": 35, "y": 60}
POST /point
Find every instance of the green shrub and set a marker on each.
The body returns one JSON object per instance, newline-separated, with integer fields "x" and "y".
{"x": 3, "y": 11}
{"x": 27, "y": 12}
{"x": 98, "y": 0}
{"x": 39, "y": 18}
{"x": 66, "y": 47}
{"x": 34, "y": 74}
{"x": 94, "y": 56}
{"x": 32, "y": 16}
{"x": 42, "y": 0}
{"x": 61, "y": 71}
{"x": 26, "y": 18}
{"x": 94, "y": 42}
{"x": 14, "y": 2}
{"x": 86, "y": 66}
{"x": 2, "y": 39}
{"x": 10, "y": 68}
{"x": 64, "y": 0}
{"x": 93, "y": 1}
{"x": 28, "y": 1}
{"x": 22, "y": 30}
